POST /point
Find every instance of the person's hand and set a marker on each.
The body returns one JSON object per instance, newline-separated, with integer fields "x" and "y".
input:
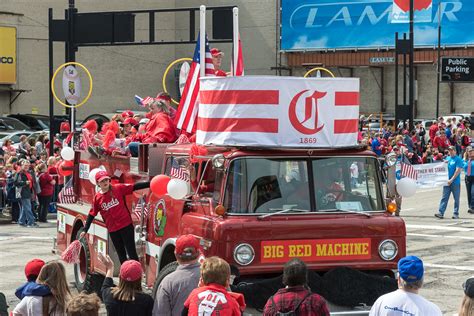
{"x": 109, "y": 264}
{"x": 449, "y": 182}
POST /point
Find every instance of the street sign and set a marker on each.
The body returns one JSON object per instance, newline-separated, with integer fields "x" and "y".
{"x": 457, "y": 69}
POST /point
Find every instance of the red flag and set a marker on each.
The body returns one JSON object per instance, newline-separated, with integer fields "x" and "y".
{"x": 188, "y": 105}
{"x": 407, "y": 170}
{"x": 239, "y": 70}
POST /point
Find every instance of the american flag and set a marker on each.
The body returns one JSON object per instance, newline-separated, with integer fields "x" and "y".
{"x": 239, "y": 70}
{"x": 188, "y": 105}
{"x": 137, "y": 211}
{"x": 178, "y": 171}
{"x": 407, "y": 170}
{"x": 67, "y": 196}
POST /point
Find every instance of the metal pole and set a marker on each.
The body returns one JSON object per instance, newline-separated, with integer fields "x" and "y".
{"x": 439, "y": 60}
{"x": 396, "y": 80}
{"x": 71, "y": 56}
{"x": 235, "y": 46}
{"x": 51, "y": 62}
{"x": 404, "y": 74}
{"x": 202, "y": 39}
{"x": 412, "y": 74}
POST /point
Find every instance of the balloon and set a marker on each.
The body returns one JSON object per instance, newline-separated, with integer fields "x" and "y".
{"x": 67, "y": 153}
{"x": 406, "y": 187}
{"x": 92, "y": 174}
{"x": 66, "y": 168}
{"x": 159, "y": 184}
{"x": 177, "y": 189}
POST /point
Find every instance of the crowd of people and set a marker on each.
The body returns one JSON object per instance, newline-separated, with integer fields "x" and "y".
{"x": 445, "y": 141}
{"x": 204, "y": 287}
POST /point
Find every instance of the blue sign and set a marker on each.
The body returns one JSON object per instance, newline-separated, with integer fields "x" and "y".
{"x": 346, "y": 24}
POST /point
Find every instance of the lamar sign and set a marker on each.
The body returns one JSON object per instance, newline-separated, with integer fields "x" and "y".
{"x": 454, "y": 69}
{"x": 7, "y": 55}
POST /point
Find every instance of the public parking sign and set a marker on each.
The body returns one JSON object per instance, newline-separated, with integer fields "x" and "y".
{"x": 457, "y": 69}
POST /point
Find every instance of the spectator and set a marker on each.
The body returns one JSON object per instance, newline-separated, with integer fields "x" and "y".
{"x": 296, "y": 298}
{"x": 8, "y": 148}
{"x": 467, "y": 305}
{"x": 32, "y": 270}
{"x": 53, "y": 171}
{"x": 11, "y": 193}
{"x": 406, "y": 300}
{"x": 469, "y": 178}
{"x": 176, "y": 287}
{"x": 24, "y": 181}
{"x": 23, "y": 146}
{"x": 434, "y": 128}
{"x": 376, "y": 145}
{"x": 455, "y": 165}
{"x": 46, "y": 183}
{"x": 51, "y": 280}
{"x": 83, "y": 305}
{"x": 215, "y": 279}
{"x": 441, "y": 142}
{"x": 39, "y": 145}
{"x": 127, "y": 298}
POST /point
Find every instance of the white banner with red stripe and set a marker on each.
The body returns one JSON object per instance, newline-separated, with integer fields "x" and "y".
{"x": 278, "y": 111}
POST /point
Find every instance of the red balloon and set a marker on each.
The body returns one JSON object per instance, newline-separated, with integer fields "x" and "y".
{"x": 66, "y": 167}
{"x": 159, "y": 184}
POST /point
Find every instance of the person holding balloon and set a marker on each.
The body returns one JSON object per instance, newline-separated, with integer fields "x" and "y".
{"x": 109, "y": 201}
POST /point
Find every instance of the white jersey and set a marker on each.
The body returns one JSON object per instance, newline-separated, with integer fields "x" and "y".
{"x": 404, "y": 303}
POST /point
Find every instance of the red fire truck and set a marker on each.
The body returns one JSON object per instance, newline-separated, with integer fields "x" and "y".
{"x": 255, "y": 208}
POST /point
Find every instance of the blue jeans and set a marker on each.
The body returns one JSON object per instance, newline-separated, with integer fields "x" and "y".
{"x": 447, "y": 190}
{"x": 26, "y": 213}
{"x": 133, "y": 147}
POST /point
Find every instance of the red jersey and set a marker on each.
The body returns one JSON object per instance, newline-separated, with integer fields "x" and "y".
{"x": 112, "y": 208}
{"x": 214, "y": 300}
{"x": 441, "y": 142}
{"x": 47, "y": 189}
{"x": 433, "y": 129}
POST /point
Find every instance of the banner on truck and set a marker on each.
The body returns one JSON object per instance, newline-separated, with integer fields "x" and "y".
{"x": 278, "y": 111}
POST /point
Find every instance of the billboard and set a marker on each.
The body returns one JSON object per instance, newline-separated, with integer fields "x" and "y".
{"x": 371, "y": 24}
{"x": 7, "y": 55}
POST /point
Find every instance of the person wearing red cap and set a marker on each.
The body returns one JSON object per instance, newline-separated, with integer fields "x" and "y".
{"x": 211, "y": 297}
{"x": 217, "y": 55}
{"x": 127, "y": 298}
{"x": 110, "y": 202}
{"x": 166, "y": 98}
{"x": 176, "y": 286}
{"x": 32, "y": 270}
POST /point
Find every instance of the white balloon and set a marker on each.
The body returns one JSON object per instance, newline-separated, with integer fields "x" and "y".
{"x": 406, "y": 187}
{"x": 177, "y": 189}
{"x": 67, "y": 153}
{"x": 92, "y": 174}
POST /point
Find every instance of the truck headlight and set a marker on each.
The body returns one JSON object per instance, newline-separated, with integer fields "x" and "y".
{"x": 388, "y": 250}
{"x": 244, "y": 254}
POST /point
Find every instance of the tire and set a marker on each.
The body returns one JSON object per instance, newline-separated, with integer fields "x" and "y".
{"x": 167, "y": 269}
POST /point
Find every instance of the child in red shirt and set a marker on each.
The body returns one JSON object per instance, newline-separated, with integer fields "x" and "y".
{"x": 110, "y": 202}
{"x": 211, "y": 297}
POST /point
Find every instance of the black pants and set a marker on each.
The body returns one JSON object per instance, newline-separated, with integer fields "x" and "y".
{"x": 124, "y": 243}
{"x": 469, "y": 183}
{"x": 15, "y": 211}
{"x": 43, "y": 207}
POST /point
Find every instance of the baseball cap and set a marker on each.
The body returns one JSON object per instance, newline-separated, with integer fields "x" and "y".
{"x": 130, "y": 120}
{"x": 187, "y": 246}
{"x": 101, "y": 175}
{"x": 65, "y": 127}
{"x": 451, "y": 148}
{"x": 33, "y": 267}
{"x": 216, "y": 52}
{"x": 144, "y": 121}
{"x": 410, "y": 269}
{"x": 131, "y": 270}
{"x": 468, "y": 287}
{"x": 163, "y": 96}
{"x": 127, "y": 113}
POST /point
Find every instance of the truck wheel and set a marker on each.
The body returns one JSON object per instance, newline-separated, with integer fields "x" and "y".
{"x": 82, "y": 273}
{"x": 167, "y": 269}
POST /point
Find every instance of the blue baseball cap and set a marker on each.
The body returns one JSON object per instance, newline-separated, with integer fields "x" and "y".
{"x": 410, "y": 269}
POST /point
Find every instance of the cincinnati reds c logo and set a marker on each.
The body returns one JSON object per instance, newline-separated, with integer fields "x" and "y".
{"x": 308, "y": 112}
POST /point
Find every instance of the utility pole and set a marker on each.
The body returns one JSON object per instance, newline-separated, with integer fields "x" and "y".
{"x": 438, "y": 77}
{"x": 411, "y": 91}
{"x": 70, "y": 56}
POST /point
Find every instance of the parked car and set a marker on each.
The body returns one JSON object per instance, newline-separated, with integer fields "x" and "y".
{"x": 14, "y": 137}
{"x": 12, "y": 124}
{"x": 40, "y": 122}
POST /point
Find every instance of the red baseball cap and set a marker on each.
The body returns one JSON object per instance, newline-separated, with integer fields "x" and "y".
{"x": 101, "y": 175}
{"x": 187, "y": 246}
{"x": 216, "y": 52}
{"x": 127, "y": 113}
{"x": 131, "y": 270}
{"x": 163, "y": 96}
{"x": 130, "y": 120}
{"x": 33, "y": 267}
{"x": 65, "y": 127}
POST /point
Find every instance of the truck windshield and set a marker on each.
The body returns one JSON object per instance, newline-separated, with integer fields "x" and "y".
{"x": 263, "y": 185}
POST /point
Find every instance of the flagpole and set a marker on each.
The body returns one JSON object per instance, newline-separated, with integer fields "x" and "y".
{"x": 202, "y": 40}
{"x": 439, "y": 59}
{"x": 235, "y": 52}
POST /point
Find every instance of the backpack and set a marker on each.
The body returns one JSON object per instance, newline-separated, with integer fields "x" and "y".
{"x": 294, "y": 312}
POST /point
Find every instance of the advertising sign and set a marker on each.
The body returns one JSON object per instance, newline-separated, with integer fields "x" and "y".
{"x": 278, "y": 111}
{"x": 371, "y": 24}
{"x": 7, "y": 55}
{"x": 454, "y": 69}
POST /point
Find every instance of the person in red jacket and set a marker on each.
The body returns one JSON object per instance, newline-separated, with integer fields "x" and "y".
{"x": 211, "y": 298}
{"x": 110, "y": 202}
{"x": 217, "y": 55}
{"x": 441, "y": 142}
{"x": 46, "y": 182}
